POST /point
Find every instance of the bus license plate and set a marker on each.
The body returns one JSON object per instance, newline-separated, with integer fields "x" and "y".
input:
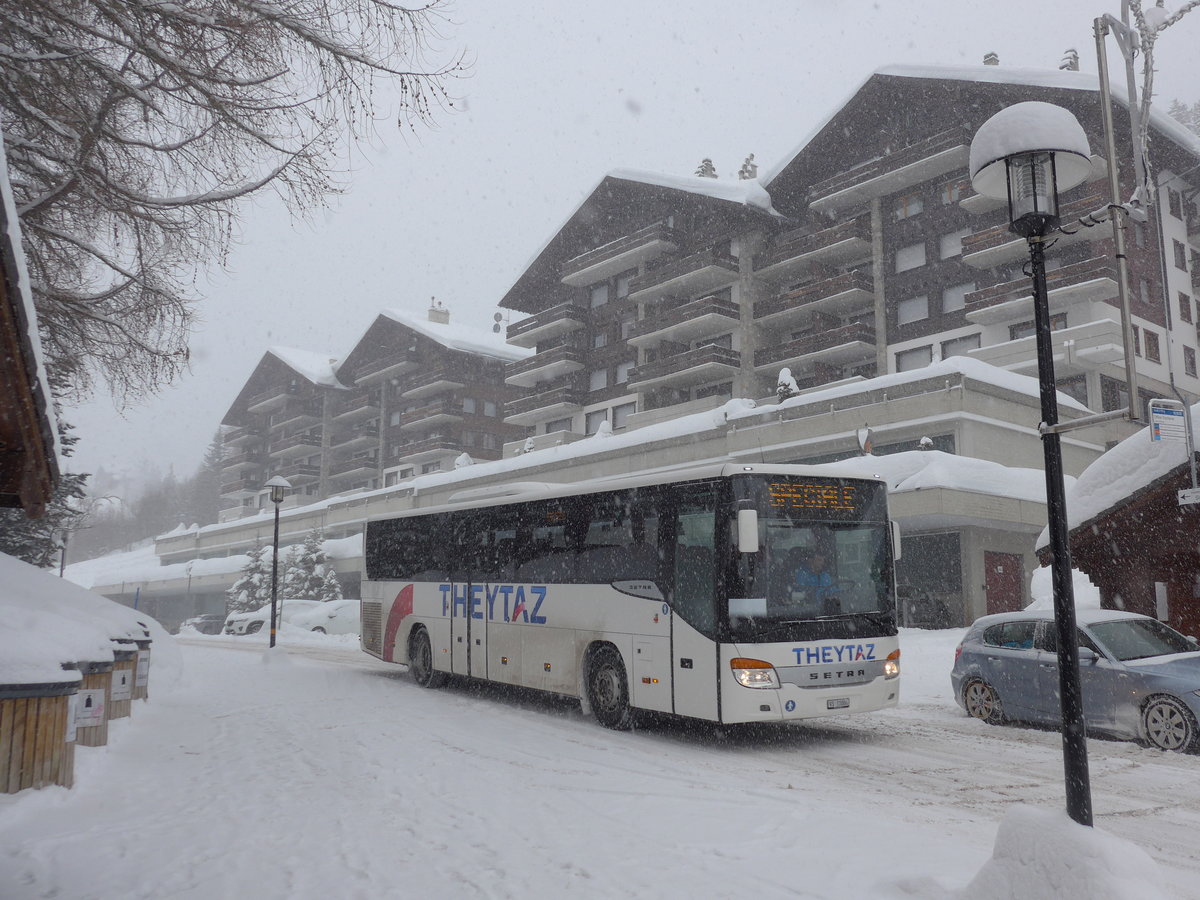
{"x": 839, "y": 703}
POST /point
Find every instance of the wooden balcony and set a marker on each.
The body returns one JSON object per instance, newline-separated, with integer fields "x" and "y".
{"x": 842, "y": 346}
{"x": 363, "y": 406}
{"x": 555, "y": 403}
{"x": 436, "y": 381}
{"x": 707, "y": 317}
{"x": 362, "y": 435}
{"x": 422, "y": 451}
{"x": 708, "y": 270}
{"x": 242, "y": 487}
{"x": 547, "y": 325}
{"x": 625, "y": 253}
{"x": 937, "y": 155}
{"x": 698, "y": 366}
{"x": 545, "y": 366}
{"x": 1010, "y": 302}
{"x": 998, "y": 245}
{"x": 244, "y": 435}
{"x": 301, "y": 473}
{"x": 295, "y": 445}
{"x": 248, "y": 457}
{"x": 297, "y": 412}
{"x": 842, "y": 295}
{"x": 356, "y": 466}
{"x": 432, "y": 414}
{"x": 394, "y": 364}
{"x": 272, "y": 399}
{"x": 793, "y": 252}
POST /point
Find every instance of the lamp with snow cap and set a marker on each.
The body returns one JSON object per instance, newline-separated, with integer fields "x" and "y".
{"x": 279, "y": 486}
{"x": 1026, "y": 154}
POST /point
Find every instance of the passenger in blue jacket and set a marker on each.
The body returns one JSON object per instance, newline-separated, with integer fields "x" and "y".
{"x": 813, "y": 578}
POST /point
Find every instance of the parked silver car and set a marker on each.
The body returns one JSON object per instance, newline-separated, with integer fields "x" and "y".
{"x": 1140, "y": 678}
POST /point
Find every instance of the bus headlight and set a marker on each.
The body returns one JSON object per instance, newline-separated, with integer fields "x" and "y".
{"x": 754, "y": 673}
{"x": 891, "y": 665}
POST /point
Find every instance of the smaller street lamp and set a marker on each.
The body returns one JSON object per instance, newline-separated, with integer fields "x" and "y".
{"x": 1026, "y": 154}
{"x": 279, "y": 486}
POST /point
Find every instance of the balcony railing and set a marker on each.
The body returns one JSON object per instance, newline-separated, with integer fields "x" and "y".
{"x": 392, "y": 364}
{"x": 243, "y": 434}
{"x": 242, "y": 487}
{"x": 296, "y": 411}
{"x": 550, "y": 404}
{"x": 364, "y": 406}
{"x": 997, "y": 245}
{"x": 793, "y": 251}
{"x": 301, "y": 473}
{"x": 1012, "y": 301}
{"x": 415, "y": 451}
{"x": 840, "y": 295}
{"x": 545, "y": 366}
{"x": 253, "y": 457}
{"x": 706, "y": 317}
{"x": 269, "y": 399}
{"x": 435, "y": 381}
{"x": 431, "y": 414}
{"x": 359, "y": 436}
{"x": 845, "y": 344}
{"x": 546, "y": 325}
{"x": 943, "y": 152}
{"x": 294, "y": 445}
{"x": 620, "y": 255}
{"x": 704, "y": 271}
{"x": 353, "y": 466}
{"x": 690, "y": 367}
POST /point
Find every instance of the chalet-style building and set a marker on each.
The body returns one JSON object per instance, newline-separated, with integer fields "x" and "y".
{"x": 28, "y": 443}
{"x": 410, "y": 398}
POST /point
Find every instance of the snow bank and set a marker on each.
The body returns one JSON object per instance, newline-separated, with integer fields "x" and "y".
{"x": 914, "y": 470}
{"x": 1043, "y": 855}
{"x": 1041, "y": 588}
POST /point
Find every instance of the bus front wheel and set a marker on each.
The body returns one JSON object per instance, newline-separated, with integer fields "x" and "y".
{"x": 608, "y": 690}
{"x": 420, "y": 661}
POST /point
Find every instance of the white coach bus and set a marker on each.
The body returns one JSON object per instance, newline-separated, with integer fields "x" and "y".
{"x": 730, "y": 593}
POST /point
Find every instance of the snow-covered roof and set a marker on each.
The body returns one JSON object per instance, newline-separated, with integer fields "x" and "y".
{"x": 1049, "y": 78}
{"x": 319, "y": 368}
{"x": 1127, "y": 468}
{"x": 467, "y": 338}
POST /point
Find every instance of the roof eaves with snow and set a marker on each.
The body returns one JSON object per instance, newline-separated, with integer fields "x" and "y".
{"x": 318, "y": 368}
{"x": 458, "y": 337}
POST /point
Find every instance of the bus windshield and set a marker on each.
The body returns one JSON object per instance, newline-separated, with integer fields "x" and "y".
{"x": 823, "y": 567}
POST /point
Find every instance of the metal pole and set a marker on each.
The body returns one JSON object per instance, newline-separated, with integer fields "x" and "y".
{"x": 275, "y": 576}
{"x": 1074, "y": 737}
{"x": 1118, "y": 221}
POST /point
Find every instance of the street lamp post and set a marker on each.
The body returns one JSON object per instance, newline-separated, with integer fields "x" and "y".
{"x": 1026, "y": 154}
{"x": 278, "y": 486}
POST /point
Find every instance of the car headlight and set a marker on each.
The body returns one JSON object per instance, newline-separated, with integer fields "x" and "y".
{"x": 754, "y": 673}
{"x": 891, "y": 665}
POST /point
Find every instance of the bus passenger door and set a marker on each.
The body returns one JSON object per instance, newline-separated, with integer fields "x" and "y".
{"x": 694, "y": 672}
{"x": 477, "y": 610}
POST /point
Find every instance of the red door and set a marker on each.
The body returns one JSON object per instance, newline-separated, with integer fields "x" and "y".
{"x": 1003, "y": 580}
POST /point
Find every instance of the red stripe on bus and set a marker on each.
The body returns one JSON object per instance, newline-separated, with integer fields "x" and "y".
{"x": 402, "y": 606}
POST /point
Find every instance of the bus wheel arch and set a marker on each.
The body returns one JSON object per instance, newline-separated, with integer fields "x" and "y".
{"x": 606, "y": 687}
{"x": 420, "y": 659}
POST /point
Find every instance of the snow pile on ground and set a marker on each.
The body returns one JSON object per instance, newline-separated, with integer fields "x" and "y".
{"x": 1041, "y": 589}
{"x": 1043, "y": 855}
{"x": 48, "y": 621}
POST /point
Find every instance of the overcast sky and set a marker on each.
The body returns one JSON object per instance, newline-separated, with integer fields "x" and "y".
{"x": 560, "y": 93}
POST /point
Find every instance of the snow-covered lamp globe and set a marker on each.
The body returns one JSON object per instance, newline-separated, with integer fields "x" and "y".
{"x": 1027, "y": 153}
{"x": 279, "y": 486}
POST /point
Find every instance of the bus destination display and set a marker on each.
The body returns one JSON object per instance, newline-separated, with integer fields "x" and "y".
{"x": 813, "y": 495}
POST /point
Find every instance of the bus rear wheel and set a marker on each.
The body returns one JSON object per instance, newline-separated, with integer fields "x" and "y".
{"x": 608, "y": 690}
{"x": 420, "y": 661}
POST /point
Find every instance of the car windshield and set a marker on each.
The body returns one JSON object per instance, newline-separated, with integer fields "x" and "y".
{"x": 1129, "y": 639}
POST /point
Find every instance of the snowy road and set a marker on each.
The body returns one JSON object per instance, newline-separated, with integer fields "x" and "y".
{"x": 316, "y": 772}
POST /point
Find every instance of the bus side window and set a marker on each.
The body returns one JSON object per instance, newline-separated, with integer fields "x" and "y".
{"x": 695, "y": 558}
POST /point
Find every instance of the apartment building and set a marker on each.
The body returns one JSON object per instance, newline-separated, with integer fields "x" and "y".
{"x": 412, "y": 397}
{"x": 869, "y": 254}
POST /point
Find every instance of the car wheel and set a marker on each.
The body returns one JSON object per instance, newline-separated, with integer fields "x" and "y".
{"x": 420, "y": 661}
{"x": 1168, "y": 724}
{"x": 982, "y": 702}
{"x": 608, "y": 690}
{"x": 253, "y": 628}
{"x": 319, "y": 630}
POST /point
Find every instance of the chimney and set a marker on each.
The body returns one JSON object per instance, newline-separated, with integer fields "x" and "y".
{"x": 1070, "y": 61}
{"x": 437, "y": 312}
{"x": 991, "y": 59}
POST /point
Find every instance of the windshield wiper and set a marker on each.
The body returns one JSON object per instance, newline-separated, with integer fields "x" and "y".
{"x": 878, "y": 619}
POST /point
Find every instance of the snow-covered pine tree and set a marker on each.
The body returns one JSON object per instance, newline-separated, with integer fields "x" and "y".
{"x": 306, "y": 580}
{"x": 331, "y": 588}
{"x": 787, "y": 386}
{"x": 253, "y": 587}
{"x": 706, "y": 169}
{"x": 291, "y": 578}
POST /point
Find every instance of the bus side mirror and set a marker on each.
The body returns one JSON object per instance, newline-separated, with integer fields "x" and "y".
{"x": 895, "y": 540}
{"x": 747, "y": 527}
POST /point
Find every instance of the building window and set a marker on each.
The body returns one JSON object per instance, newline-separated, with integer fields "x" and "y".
{"x": 910, "y": 257}
{"x": 1175, "y": 203}
{"x": 1137, "y": 340}
{"x": 955, "y": 298}
{"x": 952, "y": 191}
{"x": 724, "y": 389}
{"x": 558, "y": 425}
{"x": 469, "y": 405}
{"x": 951, "y": 244}
{"x": 725, "y": 340}
{"x": 623, "y": 284}
{"x": 391, "y": 478}
{"x": 1152, "y": 353}
{"x": 394, "y": 418}
{"x": 598, "y": 380}
{"x": 960, "y": 346}
{"x": 1074, "y": 387}
{"x": 621, "y": 414}
{"x": 912, "y": 310}
{"x": 1185, "y": 307}
{"x": 907, "y": 360}
{"x": 627, "y": 325}
{"x": 1144, "y": 290}
{"x": 1180, "y": 255}
{"x": 1139, "y": 234}
{"x": 428, "y": 467}
{"x": 598, "y": 295}
{"x": 599, "y": 339}
{"x": 908, "y": 206}
{"x": 489, "y": 408}
{"x": 623, "y": 370}
{"x": 1026, "y": 329}
{"x": 593, "y": 420}
{"x": 1189, "y": 361}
